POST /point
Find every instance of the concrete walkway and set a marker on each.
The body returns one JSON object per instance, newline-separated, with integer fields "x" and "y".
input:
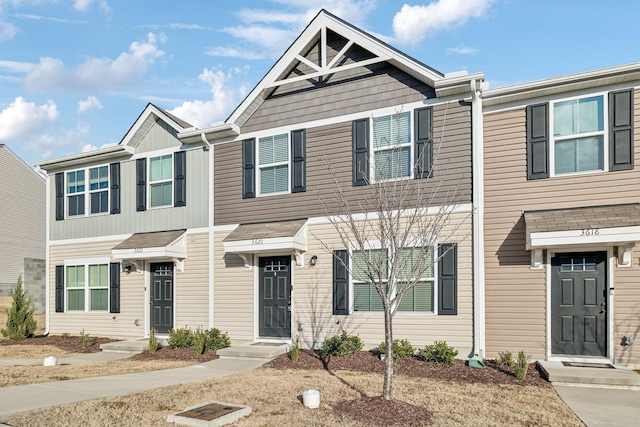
{"x": 602, "y": 406}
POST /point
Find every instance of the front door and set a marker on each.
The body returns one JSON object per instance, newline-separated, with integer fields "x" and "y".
{"x": 162, "y": 297}
{"x": 579, "y": 304}
{"x": 275, "y": 297}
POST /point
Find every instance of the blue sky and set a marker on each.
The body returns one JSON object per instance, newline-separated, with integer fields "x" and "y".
{"x": 76, "y": 74}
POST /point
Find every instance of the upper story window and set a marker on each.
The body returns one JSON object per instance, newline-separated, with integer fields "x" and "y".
{"x": 96, "y": 194}
{"x": 273, "y": 164}
{"x": 583, "y": 134}
{"x": 161, "y": 181}
{"x": 392, "y": 150}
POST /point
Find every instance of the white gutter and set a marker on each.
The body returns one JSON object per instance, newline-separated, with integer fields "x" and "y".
{"x": 47, "y": 255}
{"x": 478, "y": 221}
{"x": 211, "y": 196}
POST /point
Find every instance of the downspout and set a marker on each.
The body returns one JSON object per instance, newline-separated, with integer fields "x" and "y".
{"x": 47, "y": 276}
{"x": 211, "y": 233}
{"x": 478, "y": 220}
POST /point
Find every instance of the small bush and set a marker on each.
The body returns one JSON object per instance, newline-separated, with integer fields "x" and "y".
{"x": 401, "y": 349}
{"x": 215, "y": 340}
{"x": 506, "y": 359}
{"x": 294, "y": 354}
{"x": 199, "y": 341}
{"x": 153, "y": 341}
{"x": 65, "y": 336}
{"x": 439, "y": 352}
{"x": 84, "y": 339}
{"x": 342, "y": 345}
{"x": 522, "y": 365}
{"x": 20, "y": 321}
{"x": 180, "y": 338}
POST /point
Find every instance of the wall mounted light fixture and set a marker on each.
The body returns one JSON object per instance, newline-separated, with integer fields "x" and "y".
{"x": 313, "y": 261}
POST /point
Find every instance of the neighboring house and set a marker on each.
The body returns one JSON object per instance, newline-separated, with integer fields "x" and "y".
{"x": 22, "y": 230}
{"x": 129, "y": 229}
{"x": 562, "y": 217}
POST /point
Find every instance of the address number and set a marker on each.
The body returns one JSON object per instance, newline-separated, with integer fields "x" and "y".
{"x": 590, "y": 232}
{"x": 257, "y": 241}
{"x": 137, "y": 250}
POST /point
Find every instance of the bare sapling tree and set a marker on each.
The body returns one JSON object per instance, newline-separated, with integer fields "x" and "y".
{"x": 393, "y": 224}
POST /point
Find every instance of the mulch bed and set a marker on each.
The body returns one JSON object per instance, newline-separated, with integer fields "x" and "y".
{"x": 377, "y": 411}
{"x": 166, "y": 353}
{"x": 72, "y": 344}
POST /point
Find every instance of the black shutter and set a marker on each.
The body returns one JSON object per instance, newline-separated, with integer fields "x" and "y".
{"x": 340, "y": 282}
{"x": 537, "y": 141}
{"x": 59, "y": 288}
{"x": 360, "y": 138}
{"x": 423, "y": 149}
{"x": 298, "y": 161}
{"x": 59, "y": 196}
{"x": 115, "y": 187}
{"x": 248, "y": 168}
{"x": 621, "y": 130}
{"x": 141, "y": 185}
{"x": 180, "y": 178}
{"x": 448, "y": 279}
{"x": 114, "y": 287}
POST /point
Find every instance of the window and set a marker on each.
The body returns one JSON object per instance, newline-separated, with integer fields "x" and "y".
{"x": 419, "y": 298}
{"x": 87, "y": 287}
{"x": 273, "y": 164}
{"x": 161, "y": 181}
{"x": 392, "y": 146}
{"x": 96, "y": 194}
{"x": 578, "y": 135}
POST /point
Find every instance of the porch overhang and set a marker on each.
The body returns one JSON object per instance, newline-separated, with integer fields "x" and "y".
{"x": 575, "y": 228}
{"x": 268, "y": 238}
{"x": 156, "y": 245}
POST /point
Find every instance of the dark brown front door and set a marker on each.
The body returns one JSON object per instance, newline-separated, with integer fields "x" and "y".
{"x": 579, "y": 304}
{"x": 162, "y": 297}
{"x": 275, "y": 297}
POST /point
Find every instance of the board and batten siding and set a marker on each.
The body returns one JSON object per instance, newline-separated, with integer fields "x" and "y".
{"x": 22, "y": 229}
{"x": 313, "y": 321}
{"x": 194, "y": 214}
{"x": 331, "y": 145}
{"x": 516, "y": 294}
{"x": 192, "y": 285}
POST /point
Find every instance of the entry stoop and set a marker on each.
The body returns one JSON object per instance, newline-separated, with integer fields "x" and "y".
{"x": 128, "y": 346}
{"x": 596, "y": 375}
{"x": 250, "y": 350}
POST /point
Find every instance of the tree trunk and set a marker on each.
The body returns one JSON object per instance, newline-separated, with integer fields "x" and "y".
{"x": 388, "y": 361}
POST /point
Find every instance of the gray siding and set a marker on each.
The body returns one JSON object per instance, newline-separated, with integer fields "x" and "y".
{"x": 159, "y": 136}
{"x": 22, "y": 229}
{"x": 452, "y": 128}
{"x": 194, "y": 214}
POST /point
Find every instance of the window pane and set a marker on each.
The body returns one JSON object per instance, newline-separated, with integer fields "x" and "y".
{"x": 377, "y": 257}
{"x": 75, "y": 182}
{"x": 578, "y": 116}
{"x": 273, "y": 149}
{"x": 99, "y": 299}
{"x": 75, "y": 276}
{"x": 161, "y": 194}
{"x": 75, "y": 299}
{"x": 75, "y": 205}
{"x": 414, "y": 263}
{"x": 98, "y": 178}
{"x": 579, "y": 155}
{"x": 393, "y": 163}
{"x": 366, "y": 298}
{"x": 274, "y": 179}
{"x": 161, "y": 168}
{"x": 99, "y": 202}
{"x": 564, "y": 118}
{"x": 391, "y": 130}
{"x": 98, "y": 275}
{"x": 418, "y": 298}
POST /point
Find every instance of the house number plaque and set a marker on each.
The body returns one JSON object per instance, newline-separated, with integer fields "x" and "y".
{"x": 590, "y": 232}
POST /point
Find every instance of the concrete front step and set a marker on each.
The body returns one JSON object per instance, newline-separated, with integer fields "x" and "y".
{"x": 616, "y": 377}
{"x": 128, "y": 346}
{"x": 253, "y": 351}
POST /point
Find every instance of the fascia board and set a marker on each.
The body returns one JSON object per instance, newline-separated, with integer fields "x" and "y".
{"x": 265, "y": 245}
{"x": 149, "y": 253}
{"x": 223, "y": 130}
{"x": 586, "y": 236}
{"x": 150, "y": 109}
{"x": 103, "y": 154}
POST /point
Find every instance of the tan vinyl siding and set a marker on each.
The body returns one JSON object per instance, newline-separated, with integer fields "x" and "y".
{"x": 452, "y": 129}
{"x": 192, "y": 285}
{"x": 627, "y": 312}
{"x": 515, "y": 293}
{"x": 22, "y": 229}
{"x": 312, "y": 297}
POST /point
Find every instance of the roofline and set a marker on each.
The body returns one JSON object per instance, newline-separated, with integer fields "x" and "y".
{"x": 221, "y": 130}
{"x": 158, "y": 112}
{"x": 106, "y": 153}
{"x": 35, "y": 171}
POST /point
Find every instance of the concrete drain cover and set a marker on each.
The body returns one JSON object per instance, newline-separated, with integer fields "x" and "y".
{"x": 210, "y": 414}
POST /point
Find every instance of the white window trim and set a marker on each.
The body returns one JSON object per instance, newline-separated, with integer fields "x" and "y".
{"x": 87, "y": 192}
{"x": 171, "y": 180}
{"x": 376, "y": 244}
{"x": 86, "y": 262}
{"x": 259, "y": 167}
{"x": 373, "y": 150}
{"x": 604, "y": 133}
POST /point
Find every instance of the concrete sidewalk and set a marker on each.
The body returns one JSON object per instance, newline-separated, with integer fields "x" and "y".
{"x": 79, "y": 358}
{"x": 597, "y": 406}
{"x": 24, "y": 398}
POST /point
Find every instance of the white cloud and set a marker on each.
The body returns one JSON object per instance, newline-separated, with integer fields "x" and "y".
{"x": 88, "y": 147}
{"x": 81, "y": 5}
{"x": 15, "y": 66}
{"x": 22, "y": 119}
{"x": 462, "y": 50}
{"x": 97, "y": 73}
{"x": 89, "y": 104}
{"x": 233, "y": 52}
{"x": 414, "y": 23}
{"x": 224, "y": 97}
{"x": 84, "y": 5}
{"x": 7, "y": 31}
{"x": 60, "y": 142}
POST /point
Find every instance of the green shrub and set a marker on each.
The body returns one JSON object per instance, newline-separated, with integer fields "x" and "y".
{"x": 506, "y": 359}
{"x": 439, "y": 352}
{"x": 65, "y": 336}
{"x": 153, "y": 341}
{"x": 199, "y": 341}
{"x": 215, "y": 340}
{"x": 342, "y": 345}
{"x": 401, "y": 349}
{"x": 20, "y": 321}
{"x": 294, "y": 354}
{"x": 522, "y": 364}
{"x": 84, "y": 339}
{"x": 180, "y": 338}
